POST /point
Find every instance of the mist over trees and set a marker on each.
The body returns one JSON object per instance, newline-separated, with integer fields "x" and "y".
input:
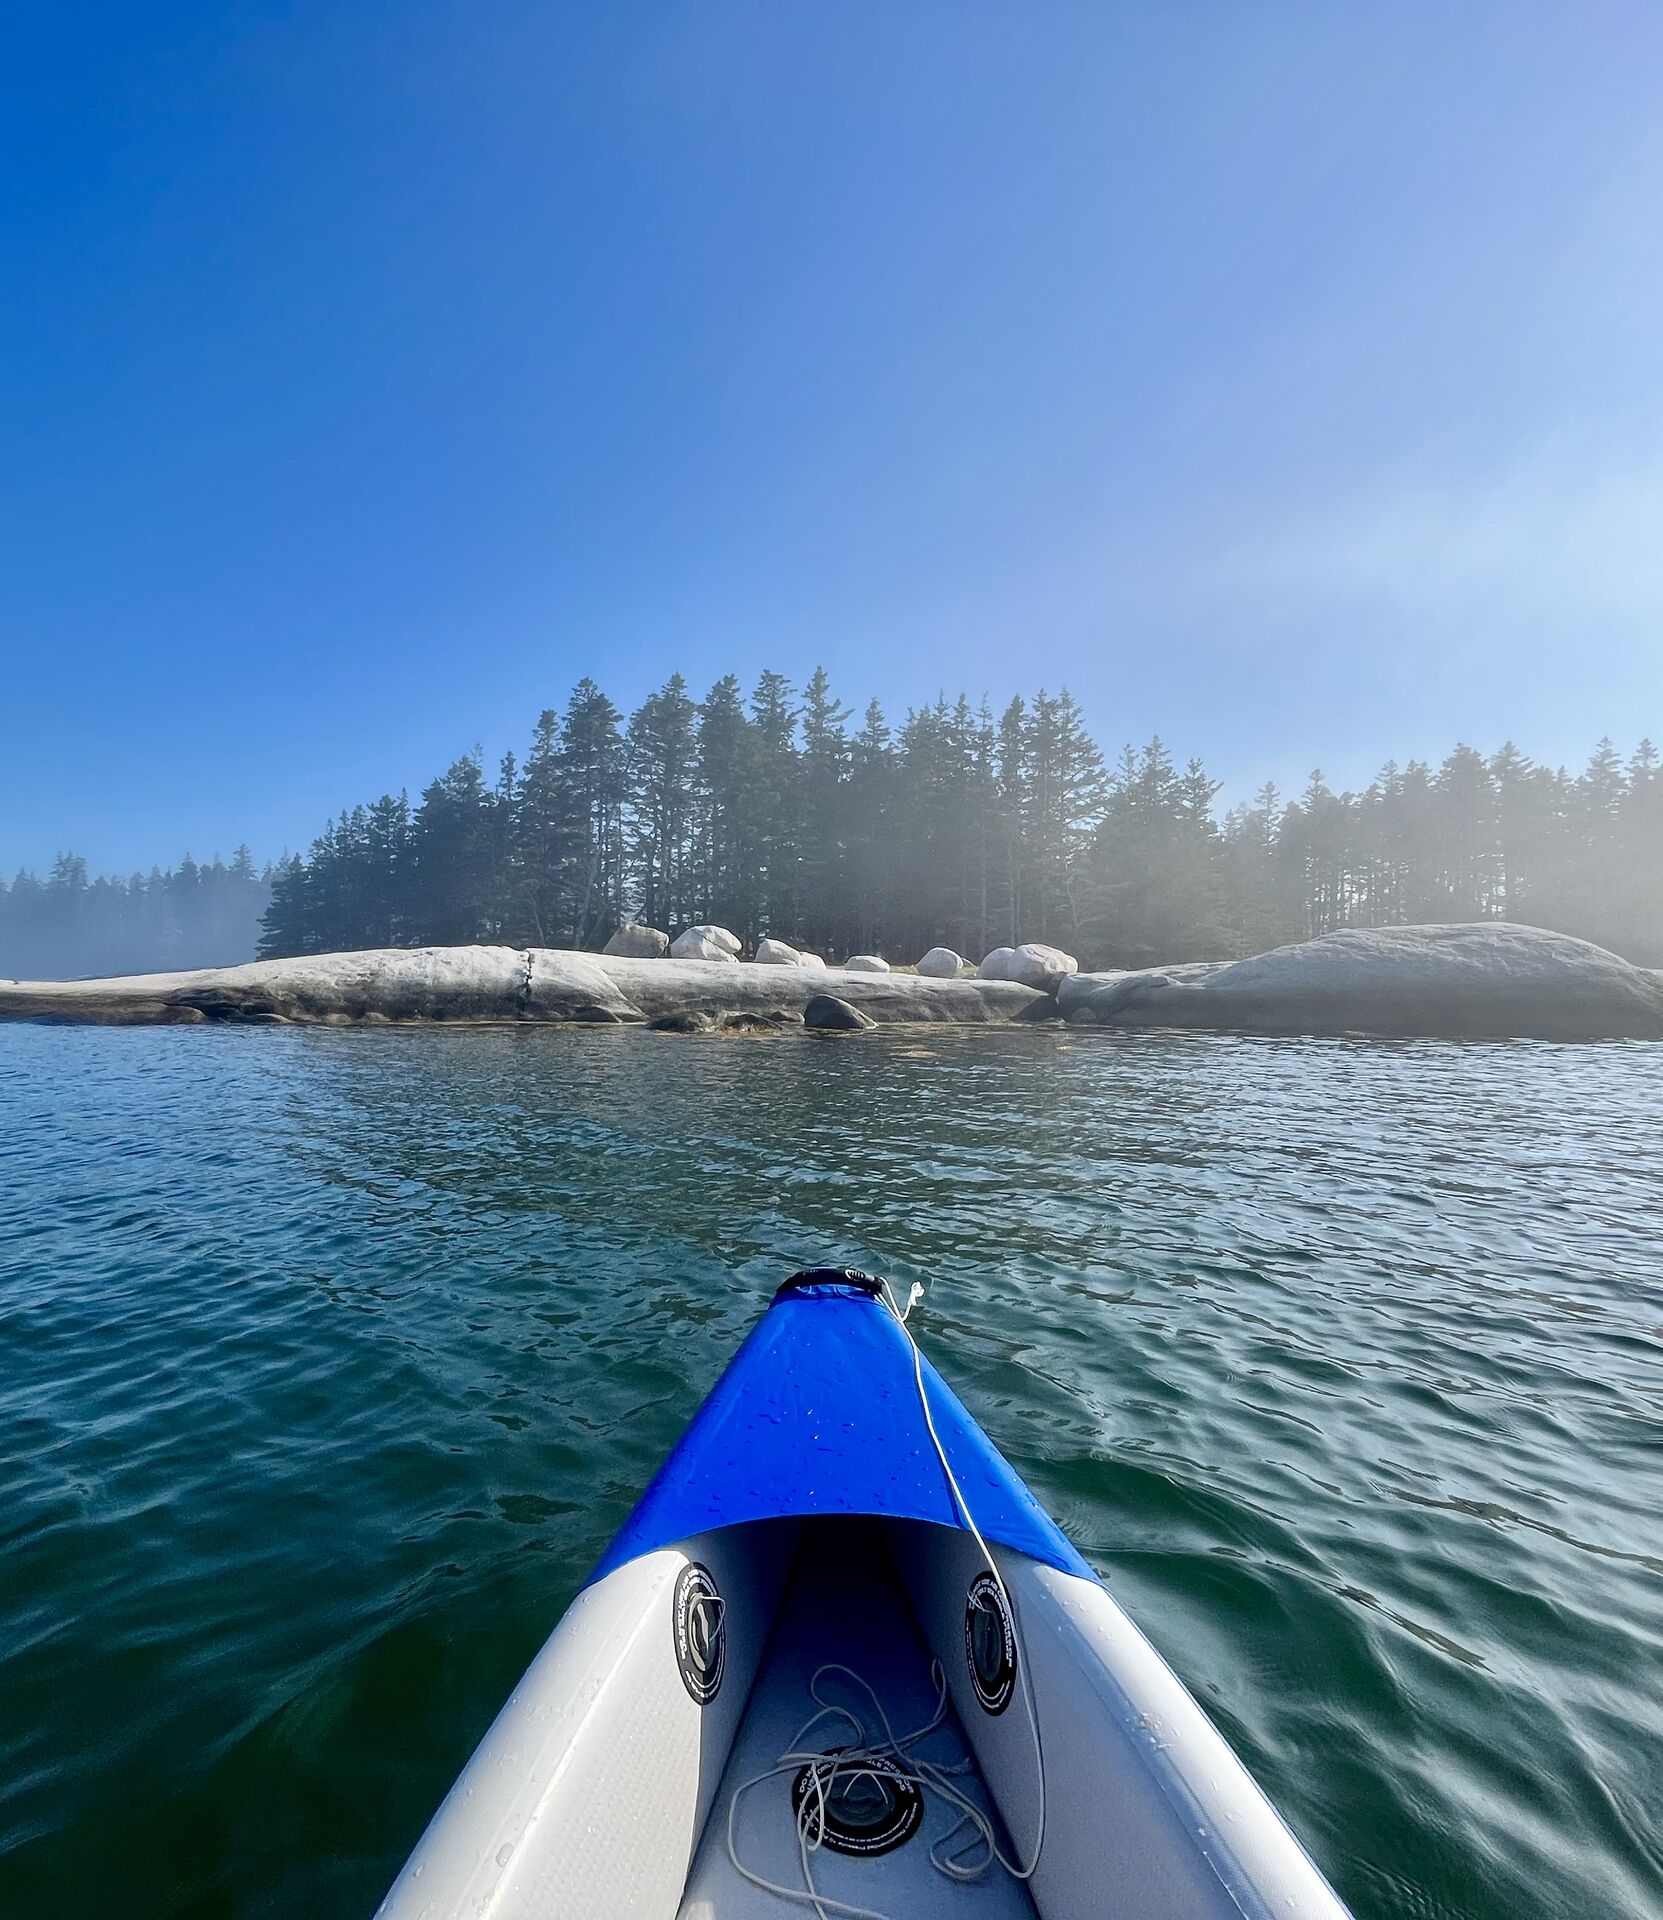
{"x": 783, "y": 812}
{"x": 66, "y": 925}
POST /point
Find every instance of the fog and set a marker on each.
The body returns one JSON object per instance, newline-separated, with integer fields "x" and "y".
{"x": 66, "y": 927}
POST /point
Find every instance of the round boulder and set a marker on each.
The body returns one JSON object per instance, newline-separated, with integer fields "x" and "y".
{"x": 941, "y": 963}
{"x": 778, "y": 953}
{"x": 825, "y": 1013}
{"x": 997, "y": 965}
{"x": 693, "y": 1020}
{"x": 1042, "y": 967}
{"x": 635, "y": 942}
{"x": 866, "y": 963}
{"x": 705, "y": 943}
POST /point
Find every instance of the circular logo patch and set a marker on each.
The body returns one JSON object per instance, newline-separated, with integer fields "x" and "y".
{"x": 697, "y": 1614}
{"x": 870, "y": 1808}
{"x": 989, "y": 1644}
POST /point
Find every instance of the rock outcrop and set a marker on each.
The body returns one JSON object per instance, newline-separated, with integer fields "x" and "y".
{"x": 1480, "y": 982}
{"x": 635, "y": 942}
{"x": 941, "y": 963}
{"x": 705, "y": 943}
{"x": 865, "y": 963}
{"x": 1489, "y": 981}
{"x": 421, "y": 985}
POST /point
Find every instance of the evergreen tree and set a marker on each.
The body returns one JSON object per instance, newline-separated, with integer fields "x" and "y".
{"x": 592, "y": 788}
{"x": 724, "y": 874}
{"x": 663, "y": 751}
{"x": 1065, "y": 793}
{"x": 286, "y": 925}
{"x": 1155, "y": 879}
{"x": 825, "y": 776}
{"x": 456, "y": 859}
{"x": 772, "y": 811}
{"x": 871, "y": 811}
{"x": 1011, "y": 818}
{"x": 545, "y": 843}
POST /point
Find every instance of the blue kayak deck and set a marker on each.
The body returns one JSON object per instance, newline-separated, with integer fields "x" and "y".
{"x": 818, "y": 1413}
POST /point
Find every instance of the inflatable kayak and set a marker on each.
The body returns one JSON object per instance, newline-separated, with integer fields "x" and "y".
{"x": 840, "y": 1661}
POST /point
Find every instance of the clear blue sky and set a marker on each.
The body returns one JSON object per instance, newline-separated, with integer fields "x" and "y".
{"x": 1288, "y": 380}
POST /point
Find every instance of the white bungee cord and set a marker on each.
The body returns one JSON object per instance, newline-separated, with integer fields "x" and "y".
{"x": 958, "y": 1860}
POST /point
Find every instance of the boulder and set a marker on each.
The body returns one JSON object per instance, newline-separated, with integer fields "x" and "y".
{"x": 941, "y": 963}
{"x": 997, "y": 964}
{"x": 635, "y": 942}
{"x": 865, "y": 963}
{"x": 1489, "y": 981}
{"x": 1042, "y": 968}
{"x": 825, "y": 1013}
{"x": 811, "y": 960}
{"x": 778, "y": 953}
{"x": 705, "y": 943}
{"x": 743, "y": 1022}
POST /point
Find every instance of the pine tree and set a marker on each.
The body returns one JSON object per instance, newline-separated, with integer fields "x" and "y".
{"x": 1011, "y": 815}
{"x": 591, "y": 785}
{"x": 545, "y": 842}
{"x": 724, "y": 872}
{"x": 1065, "y": 802}
{"x": 772, "y": 811}
{"x": 1639, "y": 856}
{"x": 455, "y": 893}
{"x": 872, "y": 805}
{"x": 663, "y": 748}
{"x": 285, "y": 925}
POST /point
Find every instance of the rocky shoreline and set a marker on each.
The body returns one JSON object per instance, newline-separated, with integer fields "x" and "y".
{"x": 1490, "y": 981}
{"x": 404, "y": 986}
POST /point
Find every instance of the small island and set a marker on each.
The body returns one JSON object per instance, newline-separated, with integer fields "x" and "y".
{"x": 1487, "y": 981}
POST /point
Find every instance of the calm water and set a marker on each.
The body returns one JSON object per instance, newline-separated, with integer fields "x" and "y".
{"x": 329, "y": 1362}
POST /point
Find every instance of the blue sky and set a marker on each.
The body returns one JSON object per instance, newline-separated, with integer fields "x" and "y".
{"x": 1288, "y": 380}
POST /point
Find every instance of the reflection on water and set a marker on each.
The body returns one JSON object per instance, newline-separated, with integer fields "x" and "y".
{"x": 329, "y": 1362}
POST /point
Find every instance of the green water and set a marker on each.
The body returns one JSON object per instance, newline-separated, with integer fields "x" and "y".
{"x": 329, "y": 1362}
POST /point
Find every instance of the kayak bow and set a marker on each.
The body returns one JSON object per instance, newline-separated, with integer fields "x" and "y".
{"x": 839, "y": 1657}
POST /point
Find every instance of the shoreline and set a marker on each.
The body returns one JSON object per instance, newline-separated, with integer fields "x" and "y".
{"x": 1489, "y": 981}
{"x": 509, "y": 986}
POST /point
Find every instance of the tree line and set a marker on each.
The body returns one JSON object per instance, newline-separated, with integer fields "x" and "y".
{"x": 780, "y": 813}
{"x": 66, "y": 926}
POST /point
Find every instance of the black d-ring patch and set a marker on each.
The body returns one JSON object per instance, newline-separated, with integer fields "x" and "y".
{"x": 989, "y": 1643}
{"x": 699, "y": 1616}
{"x": 869, "y": 1807}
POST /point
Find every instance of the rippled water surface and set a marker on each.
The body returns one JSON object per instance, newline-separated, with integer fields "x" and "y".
{"x": 329, "y": 1362}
